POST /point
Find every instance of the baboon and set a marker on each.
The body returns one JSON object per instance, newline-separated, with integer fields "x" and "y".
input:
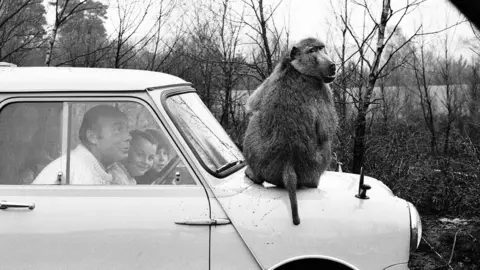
{"x": 288, "y": 139}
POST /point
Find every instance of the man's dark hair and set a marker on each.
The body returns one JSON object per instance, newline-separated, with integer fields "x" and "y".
{"x": 90, "y": 119}
{"x": 137, "y": 134}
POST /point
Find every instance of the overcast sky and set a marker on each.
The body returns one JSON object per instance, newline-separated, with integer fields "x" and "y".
{"x": 315, "y": 18}
{"x": 311, "y": 17}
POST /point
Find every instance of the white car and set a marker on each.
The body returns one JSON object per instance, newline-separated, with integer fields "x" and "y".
{"x": 202, "y": 212}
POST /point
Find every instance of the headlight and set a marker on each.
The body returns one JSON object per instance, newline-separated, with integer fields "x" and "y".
{"x": 415, "y": 227}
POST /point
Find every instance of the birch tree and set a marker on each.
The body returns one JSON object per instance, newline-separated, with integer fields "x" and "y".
{"x": 375, "y": 61}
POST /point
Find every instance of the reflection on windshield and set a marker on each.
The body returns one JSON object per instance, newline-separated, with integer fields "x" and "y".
{"x": 203, "y": 132}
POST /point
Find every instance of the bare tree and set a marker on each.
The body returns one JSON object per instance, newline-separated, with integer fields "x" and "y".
{"x": 449, "y": 73}
{"x": 473, "y": 126}
{"x": 64, "y": 11}
{"x": 229, "y": 38}
{"x": 270, "y": 40}
{"x": 200, "y": 49}
{"x": 423, "y": 77}
{"x": 164, "y": 45}
{"x": 474, "y": 88}
{"x": 132, "y": 16}
{"x": 341, "y": 83}
{"x": 346, "y": 82}
{"x": 376, "y": 65}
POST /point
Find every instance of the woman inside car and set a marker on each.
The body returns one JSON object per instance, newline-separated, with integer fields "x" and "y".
{"x": 141, "y": 157}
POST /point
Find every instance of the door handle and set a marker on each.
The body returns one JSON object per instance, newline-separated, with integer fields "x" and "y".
{"x": 6, "y": 205}
{"x": 203, "y": 221}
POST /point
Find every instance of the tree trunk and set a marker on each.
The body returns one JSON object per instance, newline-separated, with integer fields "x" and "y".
{"x": 431, "y": 127}
{"x": 430, "y": 120}
{"x": 224, "y": 119}
{"x": 343, "y": 95}
{"x": 117, "y": 52}
{"x": 448, "y": 96}
{"x": 359, "y": 140}
{"x": 433, "y": 136}
{"x": 447, "y": 136}
{"x": 425, "y": 98}
{"x": 263, "y": 25}
{"x": 360, "y": 122}
{"x": 449, "y": 118}
{"x": 51, "y": 43}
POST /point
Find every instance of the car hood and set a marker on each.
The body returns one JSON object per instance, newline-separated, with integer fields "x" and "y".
{"x": 334, "y": 223}
{"x": 329, "y": 181}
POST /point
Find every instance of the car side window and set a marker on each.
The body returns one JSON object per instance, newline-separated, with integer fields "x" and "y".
{"x": 30, "y": 138}
{"x": 91, "y": 143}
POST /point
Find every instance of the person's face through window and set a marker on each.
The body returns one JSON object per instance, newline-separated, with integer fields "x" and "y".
{"x": 140, "y": 157}
{"x": 113, "y": 138}
{"x": 161, "y": 160}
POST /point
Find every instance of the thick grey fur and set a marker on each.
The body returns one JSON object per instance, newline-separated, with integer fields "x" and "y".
{"x": 288, "y": 139}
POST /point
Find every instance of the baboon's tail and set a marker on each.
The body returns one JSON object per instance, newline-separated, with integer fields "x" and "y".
{"x": 290, "y": 182}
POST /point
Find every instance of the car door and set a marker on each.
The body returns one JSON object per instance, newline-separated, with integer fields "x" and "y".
{"x": 63, "y": 225}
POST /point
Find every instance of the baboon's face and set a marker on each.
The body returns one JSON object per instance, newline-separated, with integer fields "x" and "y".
{"x": 309, "y": 58}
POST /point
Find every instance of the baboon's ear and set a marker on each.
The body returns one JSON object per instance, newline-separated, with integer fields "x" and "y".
{"x": 294, "y": 52}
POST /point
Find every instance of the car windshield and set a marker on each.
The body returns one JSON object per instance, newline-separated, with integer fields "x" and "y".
{"x": 203, "y": 133}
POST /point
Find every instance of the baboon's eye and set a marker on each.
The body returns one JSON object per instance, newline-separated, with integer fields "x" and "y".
{"x": 316, "y": 49}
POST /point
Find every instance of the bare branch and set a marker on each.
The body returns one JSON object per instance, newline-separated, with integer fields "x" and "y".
{"x": 397, "y": 49}
{"x": 444, "y": 29}
{"x": 365, "y": 6}
{"x": 14, "y": 13}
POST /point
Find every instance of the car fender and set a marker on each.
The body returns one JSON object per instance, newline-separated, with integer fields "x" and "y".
{"x": 334, "y": 223}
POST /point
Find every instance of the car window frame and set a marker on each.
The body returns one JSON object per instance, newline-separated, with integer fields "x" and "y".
{"x": 184, "y": 90}
{"x": 138, "y": 96}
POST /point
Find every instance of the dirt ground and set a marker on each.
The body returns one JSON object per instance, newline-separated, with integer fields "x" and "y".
{"x": 448, "y": 243}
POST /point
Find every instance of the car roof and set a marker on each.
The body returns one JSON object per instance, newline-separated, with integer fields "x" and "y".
{"x": 44, "y": 79}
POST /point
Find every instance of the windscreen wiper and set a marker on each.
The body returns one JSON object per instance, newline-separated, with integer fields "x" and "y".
{"x": 229, "y": 165}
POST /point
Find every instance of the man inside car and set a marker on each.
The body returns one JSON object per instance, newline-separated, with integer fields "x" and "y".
{"x": 104, "y": 140}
